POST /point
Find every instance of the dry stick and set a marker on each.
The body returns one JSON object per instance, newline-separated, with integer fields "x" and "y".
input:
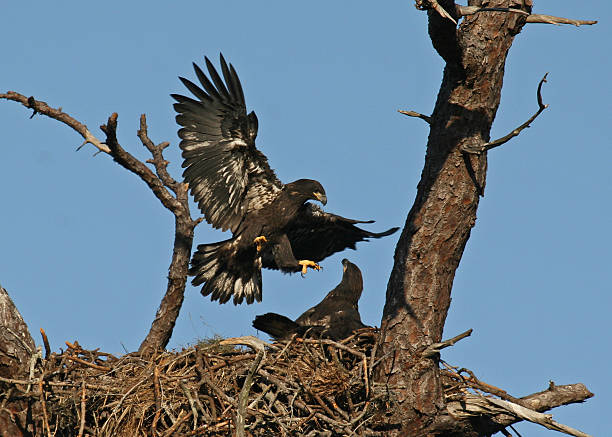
{"x": 435, "y": 348}
{"x": 181, "y": 418}
{"x": 480, "y": 148}
{"x": 44, "y": 407}
{"x": 427, "y": 118}
{"x": 533, "y": 416}
{"x": 42, "y": 108}
{"x": 433, "y": 4}
{"x": 333, "y": 343}
{"x": 87, "y": 363}
{"x": 46, "y": 343}
{"x": 549, "y": 19}
{"x": 191, "y": 404}
{"x": 157, "y": 397}
{"x": 366, "y": 377}
{"x": 83, "y": 404}
{"x": 488, "y": 388}
{"x": 243, "y": 397}
{"x": 463, "y": 11}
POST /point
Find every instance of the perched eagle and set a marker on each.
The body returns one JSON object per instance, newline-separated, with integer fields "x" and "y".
{"x": 336, "y": 316}
{"x": 273, "y": 224}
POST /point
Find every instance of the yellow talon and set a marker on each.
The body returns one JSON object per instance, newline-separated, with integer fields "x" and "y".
{"x": 306, "y": 263}
{"x": 259, "y": 242}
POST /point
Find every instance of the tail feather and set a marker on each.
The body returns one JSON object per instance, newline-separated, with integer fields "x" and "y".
{"x": 276, "y": 326}
{"x": 223, "y": 278}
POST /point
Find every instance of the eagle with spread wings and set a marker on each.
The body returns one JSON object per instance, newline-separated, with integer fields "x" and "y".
{"x": 273, "y": 225}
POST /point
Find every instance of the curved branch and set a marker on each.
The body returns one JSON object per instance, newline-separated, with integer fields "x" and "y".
{"x": 515, "y": 132}
{"x": 41, "y": 107}
{"x": 159, "y": 183}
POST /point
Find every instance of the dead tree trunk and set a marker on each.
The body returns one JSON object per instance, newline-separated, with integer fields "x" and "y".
{"x": 444, "y": 212}
{"x": 17, "y": 349}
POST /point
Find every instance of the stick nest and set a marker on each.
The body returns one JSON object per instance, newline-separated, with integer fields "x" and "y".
{"x": 297, "y": 387}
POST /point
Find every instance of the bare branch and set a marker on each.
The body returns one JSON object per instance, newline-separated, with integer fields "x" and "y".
{"x": 427, "y": 118}
{"x": 254, "y": 343}
{"x": 41, "y": 107}
{"x": 549, "y": 19}
{"x": 46, "y": 343}
{"x": 126, "y": 160}
{"x": 477, "y": 149}
{"x": 83, "y": 410}
{"x": 474, "y": 405}
{"x": 158, "y": 161}
{"x": 435, "y": 348}
{"x": 433, "y": 4}
{"x": 463, "y": 11}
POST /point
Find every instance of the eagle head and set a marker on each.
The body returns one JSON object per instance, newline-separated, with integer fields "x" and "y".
{"x": 307, "y": 189}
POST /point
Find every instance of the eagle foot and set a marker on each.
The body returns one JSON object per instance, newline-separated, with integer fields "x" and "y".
{"x": 306, "y": 263}
{"x": 259, "y": 241}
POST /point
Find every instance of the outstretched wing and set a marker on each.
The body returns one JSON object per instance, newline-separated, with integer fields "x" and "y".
{"x": 226, "y": 174}
{"x": 315, "y": 234}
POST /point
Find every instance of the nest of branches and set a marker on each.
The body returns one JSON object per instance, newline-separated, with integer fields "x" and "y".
{"x": 217, "y": 387}
{"x": 220, "y": 387}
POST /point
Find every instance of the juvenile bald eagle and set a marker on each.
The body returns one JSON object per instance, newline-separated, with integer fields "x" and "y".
{"x": 273, "y": 225}
{"x": 336, "y": 316}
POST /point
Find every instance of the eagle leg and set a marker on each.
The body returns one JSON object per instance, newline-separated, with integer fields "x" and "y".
{"x": 306, "y": 263}
{"x": 259, "y": 241}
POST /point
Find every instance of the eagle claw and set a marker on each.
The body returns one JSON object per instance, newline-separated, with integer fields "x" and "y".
{"x": 306, "y": 263}
{"x": 259, "y": 241}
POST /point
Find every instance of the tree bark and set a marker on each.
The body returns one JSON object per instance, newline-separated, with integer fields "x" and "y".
{"x": 444, "y": 212}
{"x": 16, "y": 351}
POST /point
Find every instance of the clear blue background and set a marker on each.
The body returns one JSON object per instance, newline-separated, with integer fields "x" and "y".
{"x": 85, "y": 246}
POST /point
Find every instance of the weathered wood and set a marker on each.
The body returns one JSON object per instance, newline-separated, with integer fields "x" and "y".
{"x": 444, "y": 212}
{"x": 16, "y": 350}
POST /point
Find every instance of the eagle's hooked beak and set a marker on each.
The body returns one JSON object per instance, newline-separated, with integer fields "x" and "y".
{"x": 320, "y": 197}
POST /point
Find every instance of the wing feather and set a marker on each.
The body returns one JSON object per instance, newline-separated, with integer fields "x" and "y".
{"x": 227, "y": 175}
{"x": 315, "y": 234}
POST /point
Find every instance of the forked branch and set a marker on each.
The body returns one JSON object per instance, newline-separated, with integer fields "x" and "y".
{"x": 160, "y": 182}
{"x": 40, "y": 107}
{"x": 463, "y": 11}
{"x": 477, "y": 149}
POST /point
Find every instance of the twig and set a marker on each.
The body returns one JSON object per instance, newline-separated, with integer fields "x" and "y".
{"x": 125, "y": 159}
{"x": 243, "y": 397}
{"x": 359, "y": 354}
{"x": 158, "y": 161}
{"x": 545, "y": 420}
{"x": 366, "y": 377}
{"x": 158, "y": 400}
{"x": 477, "y": 149}
{"x": 549, "y": 19}
{"x": 83, "y": 411}
{"x": 463, "y": 11}
{"x": 46, "y": 343}
{"x": 435, "y": 348}
{"x": 42, "y": 108}
{"x": 488, "y": 388}
{"x": 87, "y": 363}
{"x": 433, "y": 4}
{"x": 44, "y": 407}
{"x": 181, "y": 418}
{"x": 191, "y": 404}
{"x": 427, "y": 118}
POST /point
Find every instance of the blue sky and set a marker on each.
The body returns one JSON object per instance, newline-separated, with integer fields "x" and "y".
{"x": 85, "y": 246}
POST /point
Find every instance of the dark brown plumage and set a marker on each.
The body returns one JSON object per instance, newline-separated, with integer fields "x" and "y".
{"x": 273, "y": 225}
{"x": 336, "y": 316}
